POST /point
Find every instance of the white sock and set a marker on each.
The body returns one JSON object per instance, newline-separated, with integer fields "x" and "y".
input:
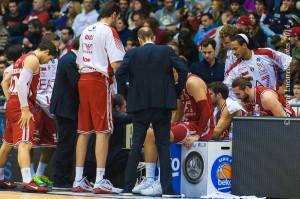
{"x": 99, "y": 174}
{"x": 158, "y": 175}
{"x": 26, "y": 175}
{"x": 1, "y": 173}
{"x": 150, "y": 169}
{"x": 32, "y": 169}
{"x": 79, "y": 173}
{"x": 41, "y": 169}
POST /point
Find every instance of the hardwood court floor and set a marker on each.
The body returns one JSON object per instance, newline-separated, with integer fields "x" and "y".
{"x": 64, "y": 195}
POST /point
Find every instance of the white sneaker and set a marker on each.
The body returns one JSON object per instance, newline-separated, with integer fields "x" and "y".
{"x": 146, "y": 182}
{"x": 82, "y": 186}
{"x": 105, "y": 187}
{"x": 153, "y": 190}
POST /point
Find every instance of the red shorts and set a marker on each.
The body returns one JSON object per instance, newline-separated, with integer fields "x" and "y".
{"x": 13, "y": 134}
{"x": 95, "y": 109}
{"x": 46, "y": 129}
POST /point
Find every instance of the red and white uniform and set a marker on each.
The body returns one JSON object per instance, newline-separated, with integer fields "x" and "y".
{"x": 232, "y": 106}
{"x": 230, "y": 59}
{"x": 45, "y": 122}
{"x": 13, "y": 133}
{"x": 190, "y": 123}
{"x": 100, "y": 46}
{"x": 259, "y": 90}
{"x": 261, "y": 67}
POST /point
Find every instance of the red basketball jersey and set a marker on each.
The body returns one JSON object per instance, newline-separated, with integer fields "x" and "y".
{"x": 17, "y": 68}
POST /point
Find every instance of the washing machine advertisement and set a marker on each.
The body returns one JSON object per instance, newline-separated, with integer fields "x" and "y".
{"x": 175, "y": 153}
{"x": 206, "y": 168}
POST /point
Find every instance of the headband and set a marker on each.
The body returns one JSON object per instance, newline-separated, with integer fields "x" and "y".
{"x": 244, "y": 37}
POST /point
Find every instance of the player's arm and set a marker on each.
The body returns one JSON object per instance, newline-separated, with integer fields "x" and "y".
{"x": 115, "y": 65}
{"x": 31, "y": 65}
{"x": 178, "y": 113}
{"x": 269, "y": 100}
{"x": 224, "y": 122}
{"x": 5, "y": 83}
{"x": 197, "y": 89}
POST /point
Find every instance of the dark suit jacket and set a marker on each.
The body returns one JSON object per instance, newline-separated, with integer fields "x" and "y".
{"x": 151, "y": 81}
{"x": 65, "y": 100}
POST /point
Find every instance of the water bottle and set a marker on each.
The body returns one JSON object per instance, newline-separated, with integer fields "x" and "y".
{"x": 256, "y": 111}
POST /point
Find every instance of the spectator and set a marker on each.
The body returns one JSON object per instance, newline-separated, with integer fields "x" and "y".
{"x": 187, "y": 47}
{"x": 207, "y": 23}
{"x": 87, "y": 17}
{"x": 236, "y": 9}
{"x": 167, "y": 16}
{"x": 33, "y": 35}
{"x": 66, "y": 38}
{"x": 38, "y": 12}
{"x": 295, "y": 42}
{"x": 243, "y": 24}
{"x": 142, "y": 6}
{"x": 124, "y": 9}
{"x": 123, "y": 31}
{"x": 210, "y": 69}
{"x": 161, "y": 37}
{"x": 48, "y": 28}
{"x": 255, "y": 31}
{"x": 13, "y": 22}
{"x": 67, "y": 19}
{"x": 138, "y": 19}
{"x": 261, "y": 9}
{"x": 216, "y": 11}
{"x": 296, "y": 100}
{"x": 4, "y": 36}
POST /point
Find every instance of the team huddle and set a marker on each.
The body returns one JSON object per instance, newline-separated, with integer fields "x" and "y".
{"x": 204, "y": 111}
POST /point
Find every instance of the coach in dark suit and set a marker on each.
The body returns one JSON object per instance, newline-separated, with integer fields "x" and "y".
{"x": 151, "y": 97}
{"x": 64, "y": 105}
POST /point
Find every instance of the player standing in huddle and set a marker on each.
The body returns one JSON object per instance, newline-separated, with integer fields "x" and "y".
{"x": 20, "y": 125}
{"x": 46, "y": 137}
{"x": 100, "y": 52}
{"x": 258, "y": 63}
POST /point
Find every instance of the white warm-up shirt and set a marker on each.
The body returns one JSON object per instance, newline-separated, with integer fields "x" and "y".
{"x": 100, "y": 46}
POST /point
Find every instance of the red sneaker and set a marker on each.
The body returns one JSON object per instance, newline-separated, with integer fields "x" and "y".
{"x": 33, "y": 187}
{"x": 82, "y": 186}
{"x": 5, "y": 184}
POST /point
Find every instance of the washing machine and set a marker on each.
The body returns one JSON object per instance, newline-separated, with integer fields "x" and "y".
{"x": 206, "y": 168}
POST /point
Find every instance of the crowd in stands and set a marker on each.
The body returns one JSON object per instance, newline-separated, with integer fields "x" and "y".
{"x": 181, "y": 23}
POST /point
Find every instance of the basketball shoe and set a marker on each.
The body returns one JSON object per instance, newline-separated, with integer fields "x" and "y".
{"x": 146, "y": 182}
{"x": 153, "y": 190}
{"x": 105, "y": 187}
{"x": 33, "y": 187}
{"x": 5, "y": 184}
{"x": 82, "y": 186}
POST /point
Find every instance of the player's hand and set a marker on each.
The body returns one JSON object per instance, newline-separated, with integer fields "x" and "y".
{"x": 190, "y": 140}
{"x": 26, "y": 116}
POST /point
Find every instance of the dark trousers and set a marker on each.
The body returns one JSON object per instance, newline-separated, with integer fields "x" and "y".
{"x": 64, "y": 155}
{"x": 160, "y": 120}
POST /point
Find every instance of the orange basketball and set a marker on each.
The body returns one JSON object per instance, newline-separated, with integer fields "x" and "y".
{"x": 224, "y": 172}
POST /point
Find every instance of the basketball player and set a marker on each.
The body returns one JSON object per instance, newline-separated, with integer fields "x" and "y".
{"x": 225, "y": 109}
{"x": 100, "y": 52}
{"x": 21, "y": 127}
{"x": 259, "y": 64}
{"x": 46, "y": 138}
{"x": 193, "y": 121}
{"x": 269, "y": 101}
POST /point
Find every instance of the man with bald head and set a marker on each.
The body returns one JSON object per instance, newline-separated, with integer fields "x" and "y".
{"x": 152, "y": 95}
